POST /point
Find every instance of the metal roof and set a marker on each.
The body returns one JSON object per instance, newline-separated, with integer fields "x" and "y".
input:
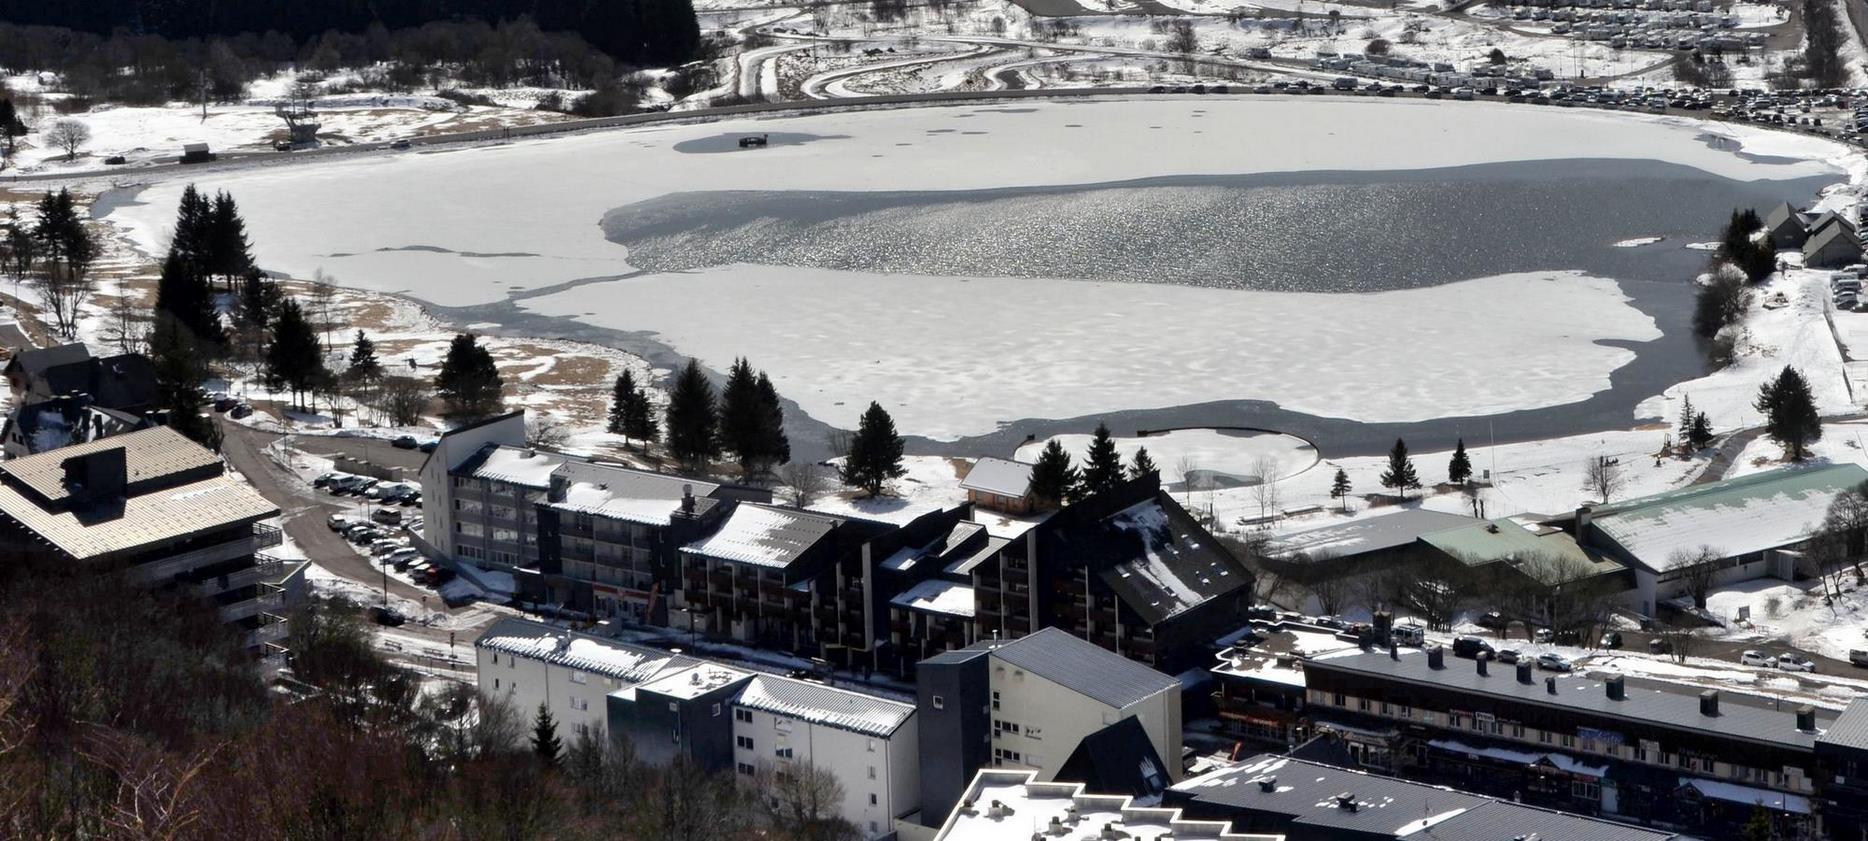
{"x": 1735, "y": 517}
{"x": 147, "y": 453}
{"x": 149, "y": 519}
{"x": 1166, "y": 563}
{"x": 998, "y": 476}
{"x": 633, "y": 664}
{"x": 1850, "y": 730}
{"x": 1648, "y": 704}
{"x": 621, "y": 493}
{"x": 1306, "y": 794}
{"x": 764, "y": 535}
{"x": 1370, "y": 534}
{"x": 1081, "y": 666}
{"x": 515, "y": 465}
{"x": 820, "y": 704}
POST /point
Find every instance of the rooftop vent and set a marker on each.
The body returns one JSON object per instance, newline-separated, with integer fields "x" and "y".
{"x": 1550, "y": 685}
{"x": 1394, "y": 651}
{"x": 1524, "y": 673}
{"x": 1806, "y": 718}
{"x": 1436, "y": 658}
{"x": 1346, "y": 802}
{"x": 1617, "y": 689}
{"x": 1267, "y": 784}
{"x": 1709, "y": 702}
{"x": 1111, "y": 833}
{"x": 998, "y": 810}
{"x": 1491, "y": 527}
{"x": 1481, "y": 662}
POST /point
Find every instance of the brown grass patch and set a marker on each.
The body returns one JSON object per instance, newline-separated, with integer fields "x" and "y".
{"x": 577, "y": 371}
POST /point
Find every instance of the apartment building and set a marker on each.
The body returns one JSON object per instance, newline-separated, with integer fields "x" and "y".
{"x": 525, "y": 664}
{"x": 1017, "y": 806}
{"x": 159, "y": 509}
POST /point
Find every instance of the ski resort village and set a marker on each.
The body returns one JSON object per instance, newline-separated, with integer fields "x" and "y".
{"x": 971, "y": 420}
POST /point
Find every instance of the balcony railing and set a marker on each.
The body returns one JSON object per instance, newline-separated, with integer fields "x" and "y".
{"x": 272, "y": 629}
{"x": 167, "y": 568}
{"x": 266, "y": 537}
{"x": 269, "y": 598}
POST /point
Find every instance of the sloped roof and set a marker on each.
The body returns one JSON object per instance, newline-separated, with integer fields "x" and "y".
{"x": 820, "y": 704}
{"x": 622, "y": 493}
{"x": 1118, "y": 759}
{"x": 148, "y": 454}
{"x": 1370, "y": 534}
{"x": 937, "y": 595}
{"x": 1823, "y": 237}
{"x": 149, "y": 519}
{"x": 764, "y": 535}
{"x": 1735, "y": 517}
{"x": 1081, "y": 666}
{"x": 1165, "y": 563}
{"x": 33, "y": 362}
{"x": 515, "y": 465}
{"x": 1849, "y": 730}
{"x": 632, "y": 664}
{"x": 998, "y": 476}
{"x": 124, "y": 381}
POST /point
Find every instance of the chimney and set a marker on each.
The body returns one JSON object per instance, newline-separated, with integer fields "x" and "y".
{"x": 1346, "y": 802}
{"x": 1582, "y": 520}
{"x": 1524, "y": 673}
{"x": 1270, "y": 784}
{"x": 1394, "y": 651}
{"x": 1436, "y": 658}
{"x": 104, "y": 474}
{"x": 1709, "y": 703}
{"x": 1616, "y": 688}
{"x": 1481, "y": 662}
{"x": 687, "y": 500}
{"x": 1806, "y": 718}
{"x": 1550, "y": 685}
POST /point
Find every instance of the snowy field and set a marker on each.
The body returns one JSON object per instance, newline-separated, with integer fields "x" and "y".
{"x": 1234, "y": 455}
{"x": 957, "y": 356}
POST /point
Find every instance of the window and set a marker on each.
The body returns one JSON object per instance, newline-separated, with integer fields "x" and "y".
{"x": 939, "y": 703}
{"x": 1002, "y": 755}
{"x": 1005, "y": 726}
{"x": 744, "y": 742}
{"x": 995, "y": 699}
{"x": 745, "y": 768}
{"x": 1033, "y": 733}
{"x": 716, "y": 711}
{"x": 1337, "y": 699}
{"x": 872, "y": 802}
{"x": 579, "y": 677}
{"x": 783, "y": 752}
{"x": 580, "y": 704}
{"x": 583, "y": 729}
{"x": 742, "y": 715}
{"x": 870, "y": 744}
{"x": 496, "y": 684}
{"x": 1569, "y": 741}
{"x": 1362, "y": 704}
{"x": 1404, "y": 711}
{"x": 872, "y": 772}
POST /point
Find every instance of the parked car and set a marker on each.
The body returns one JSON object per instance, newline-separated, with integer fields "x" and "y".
{"x": 1858, "y": 657}
{"x": 1413, "y": 635}
{"x": 386, "y": 616}
{"x": 339, "y": 522}
{"x": 240, "y": 411}
{"x": 379, "y": 548}
{"x": 1493, "y": 620}
{"x": 387, "y": 516}
{"x": 406, "y": 561}
{"x": 224, "y": 404}
{"x": 1612, "y": 640}
{"x": 1795, "y": 663}
{"x": 1660, "y": 645}
{"x": 1756, "y": 658}
{"x": 1471, "y": 647}
{"x": 1544, "y": 635}
{"x": 399, "y": 144}
{"x": 363, "y": 533}
{"x": 429, "y": 445}
{"x": 1553, "y": 663}
{"x": 406, "y": 555}
{"x": 1506, "y": 655}
{"x": 405, "y": 442}
{"x": 325, "y": 479}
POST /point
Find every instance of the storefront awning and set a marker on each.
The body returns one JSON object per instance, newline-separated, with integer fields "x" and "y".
{"x": 1748, "y": 795}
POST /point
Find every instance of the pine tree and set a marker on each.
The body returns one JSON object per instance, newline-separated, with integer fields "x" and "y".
{"x": 194, "y": 223}
{"x": 179, "y": 369}
{"x": 693, "y": 420}
{"x": 740, "y": 416}
{"x": 182, "y": 293}
{"x": 1102, "y": 465}
{"x": 545, "y": 742}
{"x": 1687, "y": 415}
{"x": 1053, "y": 480}
{"x": 622, "y": 395}
{"x": 774, "y": 444}
{"x": 1790, "y": 415}
{"x": 1340, "y": 488}
{"x": 11, "y": 128}
{"x": 1701, "y": 435}
{"x": 1459, "y": 469}
{"x": 639, "y": 418}
{"x": 229, "y": 253}
{"x": 364, "y": 366}
{"x": 294, "y": 359}
{"x": 875, "y": 453}
{"x": 1142, "y": 464}
{"x": 469, "y": 381}
{"x": 259, "y": 301}
{"x": 1400, "y": 474}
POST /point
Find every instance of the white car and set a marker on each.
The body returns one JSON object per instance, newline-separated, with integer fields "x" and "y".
{"x": 1795, "y": 663}
{"x": 1757, "y": 658}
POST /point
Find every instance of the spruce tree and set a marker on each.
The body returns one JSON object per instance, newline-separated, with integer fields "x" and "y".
{"x": 1687, "y": 415}
{"x": 1790, "y": 415}
{"x": 469, "y": 381}
{"x": 194, "y": 223}
{"x": 621, "y": 396}
{"x": 1142, "y": 464}
{"x": 294, "y": 359}
{"x": 179, "y": 369}
{"x": 875, "y": 453}
{"x": 693, "y": 419}
{"x": 364, "y": 366}
{"x": 1701, "y": 436}
{"x": 229, "y": 254}
{"x": 1459, "y": 470}
{"x": 741, "y": 416}
{"x": 639, "y": 418}
{"x": 1400, "y": 474}
{"x": 545, "y": 742}
{"x": 774, "y": 444}
{"x": 1340, "y": 488}
{"x": 1053, "y": 480}
{"x": 1102, "y": 465}
{"x": 182, "y": 293}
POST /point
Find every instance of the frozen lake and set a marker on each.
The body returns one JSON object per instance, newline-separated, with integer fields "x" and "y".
{"x": 1347, "y": 269}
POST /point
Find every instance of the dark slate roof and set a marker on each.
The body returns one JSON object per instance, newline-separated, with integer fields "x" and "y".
{"x": 1153, "y": 554}
{"x": 32, "y": 362}
{"x": 63, "y": 421}
{"x": 1850, "y": 730}
{"x": 1646, "y": 703}
{"x": 124, "y": 381}
{"x": 1832, "y": 232}
{"x": 1082, "y": 666}
{"x": 1784, "y": 213}
{"x": 1370, "y": 534}
{"x": 1305, "y": 794}
{"x": 1118, "y": 759}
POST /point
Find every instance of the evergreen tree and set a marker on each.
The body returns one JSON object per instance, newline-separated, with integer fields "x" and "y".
{"x": 693, "y": 420}
{"x": 741, "y": 416}
{"x": 259, "y": 301}
{"x": 229, "y": 254}
{"x": 774, "y": 444}
{"x": 364, "y": 366}
{"x": 1142, "y": 464}
{"x": 1459, "y": 470}
{"x": 1102, "y": 465}
{"x": 1053, "y": 480}
{"x": 639, "y": 417}
{"x": 875, "y": 452}
{"x": 1400, "y": 474}
{"x": 179, "y": 369}
{"x": 11, "y": 128}
{"x": 182, "y": 293}
{"x": 1790, "y": 415}
{"x": 1759, "y": 828}
{"x": 1687, "y": 415}
{"x": 1340, "y": 488}
{"x": 194, "y": 222}
{"x": 294, "y": 359}
{"x": 621, "y": 396}
{"x": 469, "y": 381}
{"x": 1701, "y": 436}
{"x": 545, "y": 742}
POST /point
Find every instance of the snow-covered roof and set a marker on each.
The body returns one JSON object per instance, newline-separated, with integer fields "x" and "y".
{"x": 1369, "y": 534}
{"x": 1734, "y": 517}
{"x": 763, "y": 535}
{"x": 632, "y": 664}
{"x": 1173, "y": 565}
{"x": 1014, "y": 806}
{"x": 638, "y": 496}
{"x": 937, "y": 595}
{"x": 998, "y": 476}
{"x": 517, "y": 465}
{"x": 1554, "y": 759}
{"x": 694, "y": 682}
{"x": 820, "y": 704}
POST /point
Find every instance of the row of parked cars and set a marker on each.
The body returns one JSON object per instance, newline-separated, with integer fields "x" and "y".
{"x": 376, "y": 490}
{"x": 390, "y": 548}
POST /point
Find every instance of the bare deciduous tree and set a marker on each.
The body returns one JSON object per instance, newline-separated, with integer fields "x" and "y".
{"x": 805, "y": 482}
{"x": 321, "y": 297}
{"x": 404, "y": 400}
{"x": 68, "y": 135}
{"x": 1696, "y": 570}
{"x": 128, "y": 327}
{"x": 544, "y": 432}
{"x": 1186, "y": 467}
{"x": 1602, "y": 475}
{"x": 1266, "y": 493}
{"x": 802, "y": 801}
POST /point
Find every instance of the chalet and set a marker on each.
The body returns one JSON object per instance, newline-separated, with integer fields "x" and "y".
{"x": 1831, "y": 244}
{"x": 997, "y": 484}
{"x": 60, "y": 422}
{"x": 1788, "y": 227}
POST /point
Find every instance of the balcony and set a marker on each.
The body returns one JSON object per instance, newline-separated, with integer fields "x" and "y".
{"x": 163, "y": 570}
{"x": 269, "y": 597}
{"x": 266, "y": 537}
{"x": 271, "y": 630}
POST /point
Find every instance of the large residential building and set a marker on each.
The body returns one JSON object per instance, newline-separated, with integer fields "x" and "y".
{"x": 1128, "y": 569}
{"x": 1842, "y": 750}
{"x": 124, "y": 382}
{"x": 525, "y": 664}
{"x": 1641, "y": 749}
{"x": 157, "y": 508}
{"x": 1309, "y": 801}
{"x": 1016, "y": 806}
{"x": 1034, "y": 703}
{"x": 767, "y": 575}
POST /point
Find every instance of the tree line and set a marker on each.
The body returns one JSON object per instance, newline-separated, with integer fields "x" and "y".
{"x": 1055, "y": 481}
{"x": 54, "y": 254}
{"x": 651, "y": 32}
